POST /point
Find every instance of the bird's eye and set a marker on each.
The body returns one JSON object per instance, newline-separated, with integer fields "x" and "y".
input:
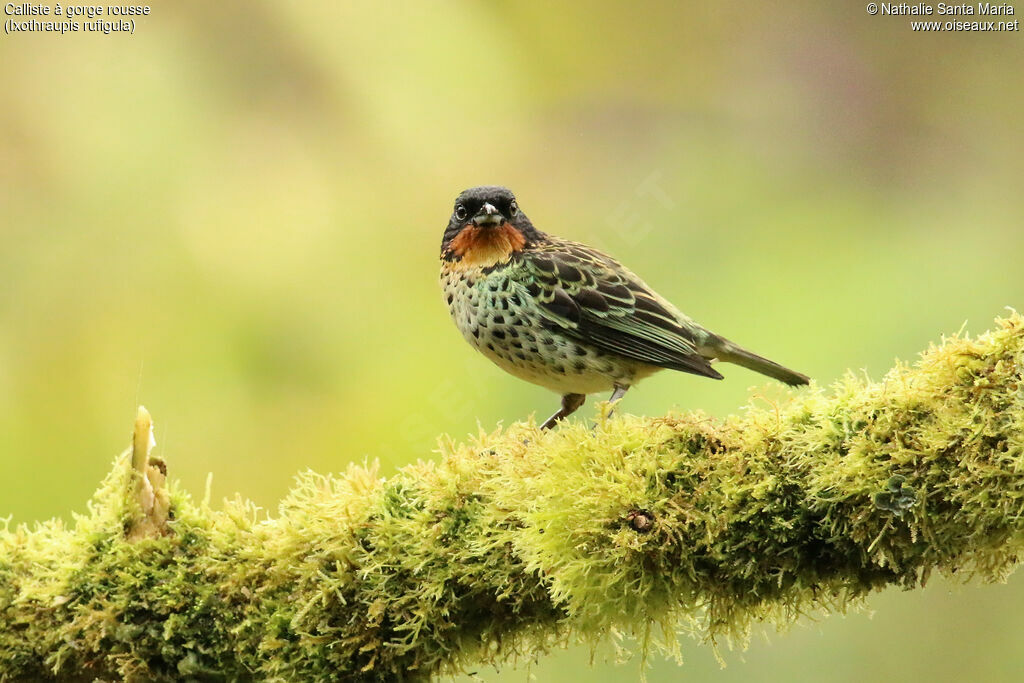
{"x": 513, "y": 209}
{"x": 460, "y": 212}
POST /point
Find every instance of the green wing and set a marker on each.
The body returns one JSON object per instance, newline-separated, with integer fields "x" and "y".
{"x": 589, "y": 296}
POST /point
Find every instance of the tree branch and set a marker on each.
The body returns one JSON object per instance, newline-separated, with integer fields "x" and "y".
{"x": 522, "y": 540}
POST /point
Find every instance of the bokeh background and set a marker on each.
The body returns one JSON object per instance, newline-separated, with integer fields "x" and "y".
{"x": 233, "y": 217}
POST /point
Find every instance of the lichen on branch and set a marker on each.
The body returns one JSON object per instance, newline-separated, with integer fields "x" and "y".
{"x": 518, "y": 541}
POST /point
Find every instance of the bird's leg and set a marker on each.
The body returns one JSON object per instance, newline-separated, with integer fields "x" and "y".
{"x": 570, "y": 404}
{"x": 619, "y": 392}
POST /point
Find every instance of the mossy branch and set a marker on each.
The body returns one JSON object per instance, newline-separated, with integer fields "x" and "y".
{"x": 520, "y": 540}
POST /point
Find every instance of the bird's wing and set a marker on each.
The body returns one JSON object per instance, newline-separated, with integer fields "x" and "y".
{"x": 589, "y": 296}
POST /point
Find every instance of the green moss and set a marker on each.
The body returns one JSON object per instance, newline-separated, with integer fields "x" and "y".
{"x": 519, "y": 541}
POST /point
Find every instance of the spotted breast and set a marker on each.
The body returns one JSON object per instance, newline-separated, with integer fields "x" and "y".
{"x": 497, "y": 315}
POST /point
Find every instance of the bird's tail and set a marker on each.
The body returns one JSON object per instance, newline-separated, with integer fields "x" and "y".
{"x": 731, "y": 353}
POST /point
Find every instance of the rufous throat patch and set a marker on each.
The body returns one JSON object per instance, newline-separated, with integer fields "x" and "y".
{"x": 487, "y": 246}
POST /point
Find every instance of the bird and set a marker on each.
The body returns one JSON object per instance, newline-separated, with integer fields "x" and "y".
{"x": 564, "y": 315}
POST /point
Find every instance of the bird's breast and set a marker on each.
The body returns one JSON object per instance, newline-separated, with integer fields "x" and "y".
{"x": 501, "y": 320}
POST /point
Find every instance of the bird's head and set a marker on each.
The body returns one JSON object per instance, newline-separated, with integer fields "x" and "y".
{"x": 486, "y": 227}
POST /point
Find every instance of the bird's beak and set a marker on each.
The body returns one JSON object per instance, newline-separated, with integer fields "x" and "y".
{"x": 488, "y": 216}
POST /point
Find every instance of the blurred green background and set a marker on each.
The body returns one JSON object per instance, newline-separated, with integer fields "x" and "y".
{"x": 233, "y": 217}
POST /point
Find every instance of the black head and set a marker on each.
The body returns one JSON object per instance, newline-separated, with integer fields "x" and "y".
{"x": 487, "y": 207}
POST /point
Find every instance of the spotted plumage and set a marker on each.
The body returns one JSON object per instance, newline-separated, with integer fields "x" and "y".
{"x": 564, "y": 315}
